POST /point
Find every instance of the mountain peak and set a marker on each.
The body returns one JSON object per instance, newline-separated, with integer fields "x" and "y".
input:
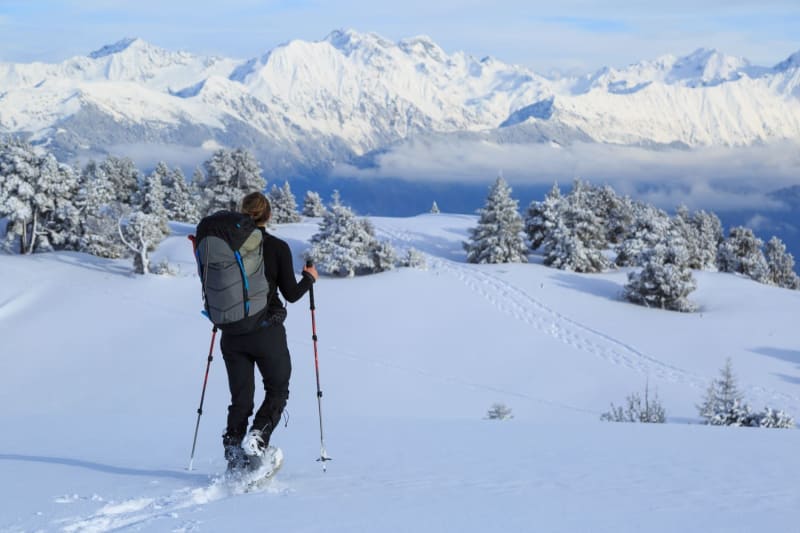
{"x": 791, "y": 62}
{"x": 347, "y": 40}
{"x": 115, "y": 48}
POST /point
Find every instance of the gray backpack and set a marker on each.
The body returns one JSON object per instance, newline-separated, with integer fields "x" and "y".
{"x": 229, "y": 252}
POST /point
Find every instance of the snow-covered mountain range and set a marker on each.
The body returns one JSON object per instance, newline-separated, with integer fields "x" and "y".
{"x": 305, "y": 106}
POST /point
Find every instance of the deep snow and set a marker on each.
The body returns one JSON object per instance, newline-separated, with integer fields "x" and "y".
{"x": 101, "y": 373}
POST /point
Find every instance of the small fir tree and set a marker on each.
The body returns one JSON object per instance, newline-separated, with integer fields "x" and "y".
{"x": 649, "y": 411}
{"x": 722, "y": 399}
{"x": 665, "y": 280}
{"x": 434, "y": 208}
{"x": 498, "y": 236}
{"x": 284, "y": 205}
{"x": 415, "y": 259}
{"x": 346, "y": 246}
{"x": 499, "y": 411}
{"x": 312, "y": 205}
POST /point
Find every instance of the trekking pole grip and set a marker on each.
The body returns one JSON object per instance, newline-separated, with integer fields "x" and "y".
{"x": 309, "y": 264}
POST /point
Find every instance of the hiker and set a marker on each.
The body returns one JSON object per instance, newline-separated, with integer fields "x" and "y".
{"x": 264, "y": 347}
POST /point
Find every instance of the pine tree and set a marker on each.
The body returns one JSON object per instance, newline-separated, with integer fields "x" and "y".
{"x": 56, "y": 200}
{"x": 153, "y": 195}
{"x": 434, "y": 208}
{"x": 709, "y": 236}
{"x": 650, "y": 227}
{"x": 346, "y": 246}
{"x": 577, "y": 241}
{"x": 498, "y": 237}
{"x": 180, "y": 202}
{"x": 283, "y": 204}
{"x": 37, "y": 196}
{"x": 124, "y": 178}
{"x": 99, "y": 210}
{"x": 230, "y": 175}
{"x": 648, "y": 412}
{"x": 312, "y": 205}
{"x": 542, "y": 217}
{"x": 781, "y": 265}
{"x": 615, "y": 211}
{"x": 565, "y": 251}
{"x": 741, "y": 253}
{"x": 722, "y": 399}
{"x": 665, "y": 280}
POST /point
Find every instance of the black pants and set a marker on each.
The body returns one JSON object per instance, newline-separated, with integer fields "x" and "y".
{"x": 265, "y": 348}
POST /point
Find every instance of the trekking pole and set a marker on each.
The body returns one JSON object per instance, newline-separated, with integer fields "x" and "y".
{"x": 323, "y": 455}
{"x": 203, "y": 395}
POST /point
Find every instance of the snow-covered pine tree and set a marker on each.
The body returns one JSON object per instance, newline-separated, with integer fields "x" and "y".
{"x": 415, "y": 259}
{"x": 541, "y": 217}
{"x": 312, "y": 205}
{"x": 722, "y": 400}
{"x": 99, "y": 210}
{"x": 665, "y": 280}
{"x": 585, "y": 216}
{"x": 283, "y": 204}
{"x": 56, "y": 199}
{"x": 180, "y": 201}
{"x": 37, "y": 196}
{"x": 383, "y": 255}
{"x": 498, "y": 236}
{"x": 741, "y": 253}
{"x": 686, "y": 233}
{"x": 781, "y": 265}
{"x": 650, "y": 227}
{"x": 709, "y": 236}
{"x": 434, "y": 208}
{"x": 124, "y": 178}
{"x": 153, "y": 195}
{"x": 141, "y": 234}
{"x": 577, "y": 241}
{"x": 615, "y": 211}
{"x": 229, "y": 176}
{"x": 340, "y": 246}
{"x": 649, "y": 411}
{"x": 565, "y": 251}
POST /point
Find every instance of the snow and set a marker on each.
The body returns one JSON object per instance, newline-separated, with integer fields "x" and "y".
{"x": 366, "y": 92}
{"x": 102, "y": 371}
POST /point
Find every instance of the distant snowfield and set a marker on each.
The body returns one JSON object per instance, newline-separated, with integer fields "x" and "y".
{"x": 101, "y": 373}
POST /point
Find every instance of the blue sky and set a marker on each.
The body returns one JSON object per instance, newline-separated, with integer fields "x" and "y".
{"x": 578, "y": 35}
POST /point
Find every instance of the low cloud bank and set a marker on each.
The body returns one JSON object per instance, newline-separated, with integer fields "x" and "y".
{"x": 718, "y": 178}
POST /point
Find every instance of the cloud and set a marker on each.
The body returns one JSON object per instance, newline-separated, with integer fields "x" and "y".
{"x": 709, "y": 178}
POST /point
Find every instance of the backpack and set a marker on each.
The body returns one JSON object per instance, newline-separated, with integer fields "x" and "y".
{"x": 228, "y": 248}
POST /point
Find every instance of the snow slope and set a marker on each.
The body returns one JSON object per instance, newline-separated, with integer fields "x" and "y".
{"x": 101, "y": 372}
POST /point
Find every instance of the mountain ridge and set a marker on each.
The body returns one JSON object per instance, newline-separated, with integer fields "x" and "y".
{"x": 325, "y": 102}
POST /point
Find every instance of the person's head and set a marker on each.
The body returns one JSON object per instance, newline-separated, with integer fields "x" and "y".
{"x": 257, "y": 206}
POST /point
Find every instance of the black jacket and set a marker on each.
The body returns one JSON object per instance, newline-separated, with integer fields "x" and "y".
{"x": 279, "y": 269}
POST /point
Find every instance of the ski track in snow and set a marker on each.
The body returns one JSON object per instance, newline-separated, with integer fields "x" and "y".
{"x": 141, "y": 510}
{"x": 516, "y": 302}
